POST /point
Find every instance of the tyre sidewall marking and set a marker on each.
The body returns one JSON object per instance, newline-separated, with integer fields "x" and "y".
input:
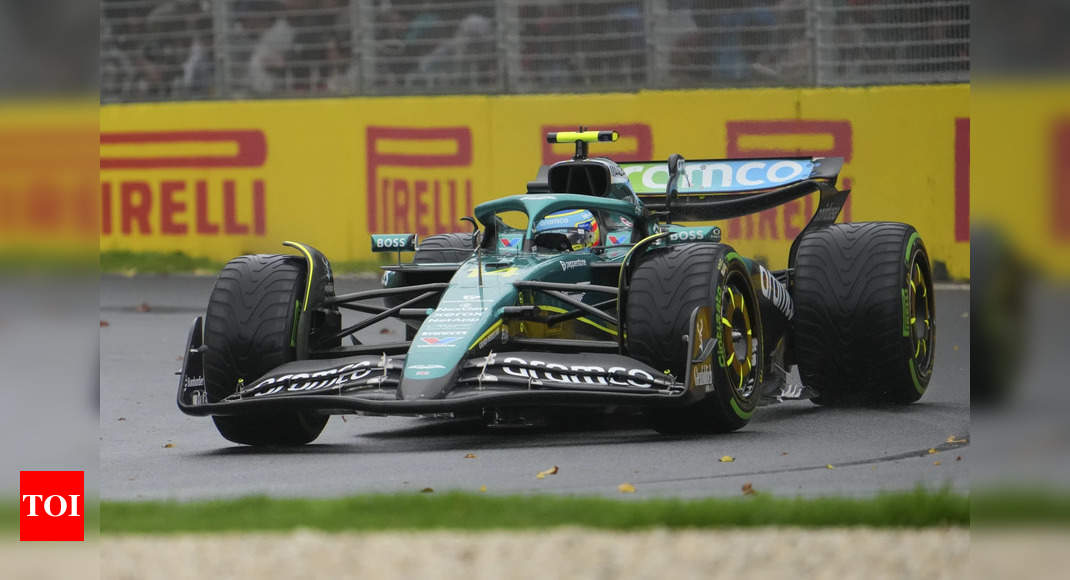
{"x": 742, "y": 407}
{"x": 915, "y": 254}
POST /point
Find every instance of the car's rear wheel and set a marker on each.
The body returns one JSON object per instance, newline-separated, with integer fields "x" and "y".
{"x": 444, "y": 248}
{"x": 864, "y": 325}
{"x": 249, "y": 329}
{"x": 666, "y": 287}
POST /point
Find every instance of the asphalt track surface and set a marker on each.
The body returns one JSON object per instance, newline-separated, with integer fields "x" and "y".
{"x": 149, "y": 450}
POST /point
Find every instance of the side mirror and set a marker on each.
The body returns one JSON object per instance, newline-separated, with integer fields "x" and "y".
{"x": 475, "y": 229}
{"x": 676, "y": 169}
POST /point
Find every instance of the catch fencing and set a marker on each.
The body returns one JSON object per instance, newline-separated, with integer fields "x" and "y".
{"x": 154, "y": 50}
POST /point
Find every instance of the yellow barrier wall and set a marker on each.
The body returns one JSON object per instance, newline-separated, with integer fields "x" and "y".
{"x": 219, "y": 179}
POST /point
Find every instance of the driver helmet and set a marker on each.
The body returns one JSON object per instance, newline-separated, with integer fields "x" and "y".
{"x": 579, "y": 225}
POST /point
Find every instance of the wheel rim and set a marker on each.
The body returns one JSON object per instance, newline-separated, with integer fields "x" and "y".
{"x": 920, "y": 316}
{"x": 737, "y": 330}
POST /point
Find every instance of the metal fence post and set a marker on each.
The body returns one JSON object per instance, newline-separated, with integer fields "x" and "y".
{"x": 365, "y": 31}
{"x": 501, "y": 45}
{"x": 813, "y": 22}
{"x": 650, "y": 44}
{"x": 509, "y": 57}
{"x": 221, "y": 47}
{"x": 356, "y": 50}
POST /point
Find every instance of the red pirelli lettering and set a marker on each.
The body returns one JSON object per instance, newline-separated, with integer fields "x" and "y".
{"x": 399, "y": 204}
{"x": 251, "y": 150}
{"x": 790, "y": 217}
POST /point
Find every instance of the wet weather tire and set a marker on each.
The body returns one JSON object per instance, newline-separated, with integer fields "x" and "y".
{"x": 444, "y": 248}
{"x": 665, "y": 288}
{"x": 864, "y": 322}
{"x": 249, "y": 330}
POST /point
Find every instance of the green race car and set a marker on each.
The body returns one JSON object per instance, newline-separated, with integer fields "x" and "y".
{"x": 582, "y": 292}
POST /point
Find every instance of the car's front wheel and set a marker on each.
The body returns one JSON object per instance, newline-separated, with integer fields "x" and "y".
{"x": 666, "y": 287}
{"x": 251, "y": 328}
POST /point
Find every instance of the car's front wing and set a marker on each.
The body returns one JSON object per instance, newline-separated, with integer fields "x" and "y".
{"x": 369, "y": 383}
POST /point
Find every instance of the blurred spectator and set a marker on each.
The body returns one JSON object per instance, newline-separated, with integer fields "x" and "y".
{"x": 175, "y": 59}
{"x": 789, "y": 56}
{"x": 267, "y": 64}
{"x": 460, "y": 61}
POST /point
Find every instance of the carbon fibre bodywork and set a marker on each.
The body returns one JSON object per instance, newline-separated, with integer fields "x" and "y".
{"x": 515, "y": 325}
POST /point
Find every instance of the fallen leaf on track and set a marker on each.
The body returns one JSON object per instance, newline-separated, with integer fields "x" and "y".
{"x": 748, "y": 489}
{"x": 958, "y": 458}
{"x": 144, "y": 307}
{"x": 953, "y": 439}
{"x": 830, "y": 466}
{"x": 727, "y": 459}
{"x": 931, "y": 451}
{"x": 936, "y": 463}
{"x": 543, "y": 474}
{"x": 470, "y": 456}
{"x": 427, "y": 490}
{"x": 168, "y": 445}
{"x": 482, "y": 489}
{"x": 626, "y": 488}
{"x": 104, "y": 323}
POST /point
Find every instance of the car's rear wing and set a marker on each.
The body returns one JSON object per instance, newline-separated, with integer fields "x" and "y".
{"x": 716, "y": 189}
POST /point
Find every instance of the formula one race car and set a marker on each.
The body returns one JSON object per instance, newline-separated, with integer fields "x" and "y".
{"x": 583, "y": 292}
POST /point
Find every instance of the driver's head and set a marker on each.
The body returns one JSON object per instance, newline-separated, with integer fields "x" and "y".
{"x": 579, "y": 225}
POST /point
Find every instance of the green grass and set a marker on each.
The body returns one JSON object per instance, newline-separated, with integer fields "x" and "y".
{"x": 126, "y": 262}
{"x": 155, "y": 262}
{"x": 467, "y": 511}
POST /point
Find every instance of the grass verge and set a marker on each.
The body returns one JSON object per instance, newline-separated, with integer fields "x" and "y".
{"x": 125, "y": 262}
{"x": 466, "y": 511}
{"x": 130, "y": 263}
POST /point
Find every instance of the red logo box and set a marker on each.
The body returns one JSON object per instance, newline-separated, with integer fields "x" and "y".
{"x": 51, "y": 506}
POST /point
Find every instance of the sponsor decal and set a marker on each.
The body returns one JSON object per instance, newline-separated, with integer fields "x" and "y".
{"x": 701, "y": 373}
{"x": 439, "y": 339}
{"x": 411, "y": 185}
{"x": 490, "y": 338}
{"x": 746, "y": 139}
{"x": 693, "y": 234}
{"x": 719, "y": 176}
{"x": 393, "y": 242}
{"x": 317, "y": 381}
{"x": 51, "y": 506}
{"x": 703, "y": 376}
{"x": 592, "y": 375}
{"x": 187, "y": 204}
{"x": 962, "y": 179}
{"x": 773, "y": 290}
{"x": 567, "y": 265}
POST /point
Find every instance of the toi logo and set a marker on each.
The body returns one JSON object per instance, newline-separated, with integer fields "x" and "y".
{"x": 51, "y": 506}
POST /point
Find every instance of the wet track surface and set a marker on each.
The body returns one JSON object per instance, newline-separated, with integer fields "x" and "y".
{"x": 150, "y": 450}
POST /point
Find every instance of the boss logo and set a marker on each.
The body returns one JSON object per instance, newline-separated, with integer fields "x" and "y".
{"x": 51, "y": 506}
